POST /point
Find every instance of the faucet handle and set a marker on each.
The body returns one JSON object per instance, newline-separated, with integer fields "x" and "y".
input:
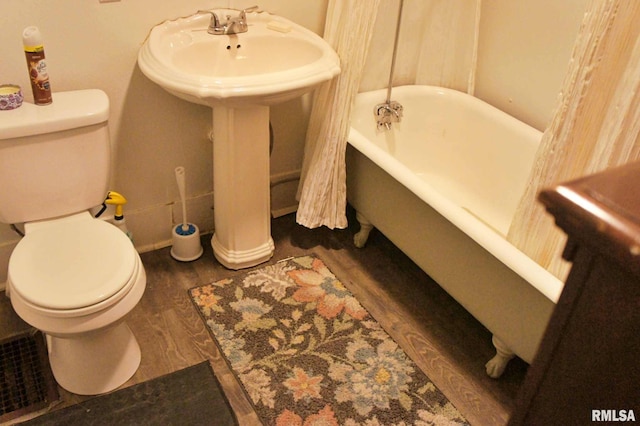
{"x": 243, "y": 12}
{"x": 215, "y": 21}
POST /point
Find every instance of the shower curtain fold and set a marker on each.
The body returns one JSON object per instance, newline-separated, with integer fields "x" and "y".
{"x": 322, "y": 192}
{"x": 596, "y": 124}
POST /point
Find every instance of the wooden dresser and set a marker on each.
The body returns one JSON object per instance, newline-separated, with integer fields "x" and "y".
{"x": 588, "y": 365}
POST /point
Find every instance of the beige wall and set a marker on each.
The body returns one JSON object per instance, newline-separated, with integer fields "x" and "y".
{"x": 524, "y": 46}
{"x": 523, "y": 54}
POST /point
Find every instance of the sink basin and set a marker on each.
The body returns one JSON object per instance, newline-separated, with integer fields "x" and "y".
{"x": 262, "y": 66}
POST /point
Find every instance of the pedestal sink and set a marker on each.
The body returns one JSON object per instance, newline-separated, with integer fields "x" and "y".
{"x": 239, "y": 76}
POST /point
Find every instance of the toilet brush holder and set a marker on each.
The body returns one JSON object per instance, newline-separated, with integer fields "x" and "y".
{"x": 186, "y": 243}
{"x": 185, "y": 236}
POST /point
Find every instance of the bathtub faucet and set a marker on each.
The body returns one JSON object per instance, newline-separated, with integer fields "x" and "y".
{"x": 233, "y": 25}
{"x": 387, "y": 113}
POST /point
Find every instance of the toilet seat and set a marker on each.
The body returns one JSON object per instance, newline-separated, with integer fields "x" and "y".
{"x": 73, "y": 265}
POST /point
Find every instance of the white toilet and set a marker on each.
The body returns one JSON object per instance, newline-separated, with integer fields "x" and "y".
{"x": 72, "y": 276}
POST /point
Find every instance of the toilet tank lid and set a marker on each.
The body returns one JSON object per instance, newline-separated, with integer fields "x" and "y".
{"x": 68, "y": 110}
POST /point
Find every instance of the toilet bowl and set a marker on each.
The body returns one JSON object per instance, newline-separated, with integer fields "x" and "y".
{"x": 75, "y": 279}
{"x": 71, "y": 276}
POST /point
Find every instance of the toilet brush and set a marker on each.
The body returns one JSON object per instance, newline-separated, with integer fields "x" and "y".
{"x": 185, "y": 236}
{"x": 185, "y": 229}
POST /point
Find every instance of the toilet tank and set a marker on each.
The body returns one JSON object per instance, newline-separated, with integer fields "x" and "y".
{"x": 54, "y": 159}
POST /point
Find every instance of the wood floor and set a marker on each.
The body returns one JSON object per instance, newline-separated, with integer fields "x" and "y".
{"x": 448, "y": 344}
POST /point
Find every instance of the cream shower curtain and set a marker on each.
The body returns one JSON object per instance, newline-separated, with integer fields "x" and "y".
{"x": 348, "y": 28}
{"x": 596, "y": 124}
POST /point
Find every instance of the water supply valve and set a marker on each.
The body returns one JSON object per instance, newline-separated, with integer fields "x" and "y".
{"x": 387, "y": 113}
{"x": 118, "y": 200}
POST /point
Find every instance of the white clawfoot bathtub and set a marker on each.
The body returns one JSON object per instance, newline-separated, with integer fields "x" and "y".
{"x": 443, "y": 186}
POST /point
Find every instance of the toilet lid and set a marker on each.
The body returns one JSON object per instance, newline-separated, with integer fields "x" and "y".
{"x": 71, "y": 265}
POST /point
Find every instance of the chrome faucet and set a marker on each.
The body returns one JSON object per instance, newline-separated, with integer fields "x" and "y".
{"x": 387, "y": 113}
{"x": 233, "y": 24}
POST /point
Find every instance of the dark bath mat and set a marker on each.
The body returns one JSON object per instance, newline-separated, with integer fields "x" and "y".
{"x": 187, "y": 397}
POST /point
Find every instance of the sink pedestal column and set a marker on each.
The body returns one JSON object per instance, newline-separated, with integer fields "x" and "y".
{"x": 241, "y": 190}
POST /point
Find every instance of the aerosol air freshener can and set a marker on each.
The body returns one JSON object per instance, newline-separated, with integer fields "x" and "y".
{"x": 37, "y": 66}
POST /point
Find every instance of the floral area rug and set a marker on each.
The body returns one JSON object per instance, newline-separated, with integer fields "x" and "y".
{"x": 307, "y": 353}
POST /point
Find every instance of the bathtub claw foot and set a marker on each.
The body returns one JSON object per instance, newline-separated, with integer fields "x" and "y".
{"x": 361, "y": 237}
{"x": 496, "y": 365}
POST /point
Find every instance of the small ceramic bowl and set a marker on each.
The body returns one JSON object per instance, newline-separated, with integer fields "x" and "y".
{"x": 10, "y": 96}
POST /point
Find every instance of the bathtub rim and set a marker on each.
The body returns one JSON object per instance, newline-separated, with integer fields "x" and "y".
{"x": 541, "y": 279}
